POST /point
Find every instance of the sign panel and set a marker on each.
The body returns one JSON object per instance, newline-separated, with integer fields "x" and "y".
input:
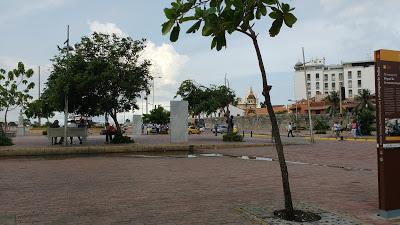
{"x": 387, "y": 87}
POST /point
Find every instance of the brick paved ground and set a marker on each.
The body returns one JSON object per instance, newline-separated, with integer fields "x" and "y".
{"x": 128, "y": 190}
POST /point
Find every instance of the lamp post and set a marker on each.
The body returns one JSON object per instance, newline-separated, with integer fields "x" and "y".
{"x": 308, "y": 99}
{"x": 66, "y": 95}
{"x": 154, "y": 105}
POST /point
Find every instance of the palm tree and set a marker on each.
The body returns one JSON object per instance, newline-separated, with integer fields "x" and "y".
{"x": 364, "y": 100}
{"x": 334, "y": 103}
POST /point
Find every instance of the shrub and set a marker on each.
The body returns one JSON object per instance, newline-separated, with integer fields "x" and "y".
{"x": 321, "y": 124}
{"x": 121, "y": 139}
{"x": 365, "y": 118}
{"x": 5, "y": 141}
{"x": 232, "y": 138}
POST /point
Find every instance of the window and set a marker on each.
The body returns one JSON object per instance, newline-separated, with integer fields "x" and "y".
{"x": 349, "y": 75}
{"x": 309, "y": 94}
{"x": 341, "y": 84}
{"x": 318, "y": 93}
{"x": 326, "y": 92}
{"x": 333, "y": 86}
{"x": 359, "y": 83}
{"x": 333, "y": 77}
{"x": 359, "y": 91}
{"x": 308, "y": 77}
{"x": 325, "y": 77}
{"x": 350, "y": 93}
{"x": 308, "y": 86}
{"x": 340, "y": 76}
{"x": 326, "y": 85}
{"x": 359, "y": 74}
{"x": 317, "y": 76}
{"x": 349, "y": 83}
{"x": 317, "y": 85}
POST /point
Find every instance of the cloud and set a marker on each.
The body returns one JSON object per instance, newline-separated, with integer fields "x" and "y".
{"x": 106, "y": 28}
{"x": 166, "y": 62}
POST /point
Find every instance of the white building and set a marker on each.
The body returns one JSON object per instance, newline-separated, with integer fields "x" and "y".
{"x": 323, "y": 79}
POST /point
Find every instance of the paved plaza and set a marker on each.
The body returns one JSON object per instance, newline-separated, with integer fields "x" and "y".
{"x": 340, "y": 177}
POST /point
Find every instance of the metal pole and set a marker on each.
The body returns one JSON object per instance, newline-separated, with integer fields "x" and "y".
{"x": 39, "y": 119}
{"x": 154, "y": 105}
{"x": 66, "y": 98}
{"x": 308, "y": 99}
{"x": 147, "y": 104}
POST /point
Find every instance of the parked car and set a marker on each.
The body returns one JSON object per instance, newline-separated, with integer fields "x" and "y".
{"x": 193, "y": 130}
{"x": 221, "y": 129}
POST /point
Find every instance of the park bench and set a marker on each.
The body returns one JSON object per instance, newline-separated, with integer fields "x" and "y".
{"x": 71, "y": 132}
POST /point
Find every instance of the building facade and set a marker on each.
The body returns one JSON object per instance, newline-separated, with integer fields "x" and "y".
{"x": 321, "y": 79}
{"x": 249, "y": 103}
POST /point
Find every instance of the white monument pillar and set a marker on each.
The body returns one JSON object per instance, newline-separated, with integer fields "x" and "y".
{"x": 21, "y": 127}
{"x": 179, "y": 121}
{"x": 137, "y": 125}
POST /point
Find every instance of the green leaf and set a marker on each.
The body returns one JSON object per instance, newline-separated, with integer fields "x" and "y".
{"x": 285, "y": 7}
{"x": 289, "y": 19}
{"x": 207, "y": 30}
{"x": 263, "y": 10}
{"x": 175, "y": 33}
{"x": 270, "y": 2}
{"x": 170, "y": 13}
{"x": 276, "y": 27}
{"x": 167, "y": 26}
{"x": 194, "y": 28}
{"x": 214, "y": 43}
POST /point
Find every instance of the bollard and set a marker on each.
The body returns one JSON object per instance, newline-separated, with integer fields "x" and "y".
{"x": 243, "y": 134}
{"x": 251, "y": 133}
{"x": 191, "y": 149}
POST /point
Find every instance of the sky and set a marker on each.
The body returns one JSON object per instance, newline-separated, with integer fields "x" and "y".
{"x": 339, "y": 30}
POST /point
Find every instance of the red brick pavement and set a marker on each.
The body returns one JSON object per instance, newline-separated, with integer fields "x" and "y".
{"x": 128, "y": 190}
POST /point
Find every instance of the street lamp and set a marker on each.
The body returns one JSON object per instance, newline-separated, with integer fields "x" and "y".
{"x": 308, "y": 99}
{"x": 154, "y": 105}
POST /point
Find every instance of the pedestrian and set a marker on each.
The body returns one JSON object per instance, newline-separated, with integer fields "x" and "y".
{"x": 110, "y": 131}
{"x": 290, "y": 129}
{"x": 354, "y": 129}
{"x": 81, "y": 124}
{"x": 56, "y": 124}
{"x": 337, "y": 128}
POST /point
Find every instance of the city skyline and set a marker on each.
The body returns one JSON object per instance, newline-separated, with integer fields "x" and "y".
{"x": 351, "y": 31}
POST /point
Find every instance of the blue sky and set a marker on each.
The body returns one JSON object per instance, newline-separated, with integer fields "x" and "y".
{"x": 339, "y": 30}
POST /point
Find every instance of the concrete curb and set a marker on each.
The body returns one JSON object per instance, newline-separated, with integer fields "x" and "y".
{"x": 129, "y": 148}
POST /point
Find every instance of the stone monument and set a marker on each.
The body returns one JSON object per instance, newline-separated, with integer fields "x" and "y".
{"x": 137, "y": 122}
{"x": 179, "y": 121}
{"x": 21, "y": 127}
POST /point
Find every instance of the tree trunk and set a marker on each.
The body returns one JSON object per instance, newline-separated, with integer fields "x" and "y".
{"x": 5, "y": 120}
{"x": 275, "y": 130}
{"x": 114, "y": 117}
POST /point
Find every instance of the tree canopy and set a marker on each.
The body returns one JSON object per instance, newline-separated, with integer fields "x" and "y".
{"x": 158, "y": 116}
{"x": 104, "y": 74}
{"x": 14, "y": 88}
{"x": 202, "y": 99}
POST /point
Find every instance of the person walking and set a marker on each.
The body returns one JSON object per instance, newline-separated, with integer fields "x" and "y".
{"x": 354, "y": 129}
{"x": 337, "y": 128}
{"x": 290, "y": 129}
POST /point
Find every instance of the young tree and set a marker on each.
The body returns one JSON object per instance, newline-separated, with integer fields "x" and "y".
{"x": 221, "y": 17}
{"x": 14, "y": 89}
{"x": 158, "y": 116}
{"x": 39, "y": 109}
{"x": 334, "y": 103}
{"x": 104, "y": 74}
{"x": 364, "y": 100}
{"x": 195, "y": 94}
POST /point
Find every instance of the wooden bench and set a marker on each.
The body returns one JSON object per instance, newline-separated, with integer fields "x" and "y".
{"x": 71, "y": 132}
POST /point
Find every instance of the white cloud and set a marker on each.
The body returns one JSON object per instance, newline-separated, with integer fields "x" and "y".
{"x": 105, "y": 28}
{"x": 166, "y": 62}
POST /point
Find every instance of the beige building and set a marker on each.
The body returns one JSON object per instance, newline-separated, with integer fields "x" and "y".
{"x": 249, "y": 103}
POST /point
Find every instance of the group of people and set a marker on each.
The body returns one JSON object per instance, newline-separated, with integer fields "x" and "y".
{"x": 56, "y": 124}
{"x": 354, "y": 127}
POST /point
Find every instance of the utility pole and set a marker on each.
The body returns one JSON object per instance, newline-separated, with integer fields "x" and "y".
{"x": 39, "y": 119}
{"x": 308, "y": 99}
{"x": 66, "y": 96}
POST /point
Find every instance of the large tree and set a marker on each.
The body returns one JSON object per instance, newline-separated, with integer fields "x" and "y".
{"x": 158, "y": 116}
{"x": 221, "y": 17}
{"x": 14, "y": 89}
{"x": 104, "y": 74}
